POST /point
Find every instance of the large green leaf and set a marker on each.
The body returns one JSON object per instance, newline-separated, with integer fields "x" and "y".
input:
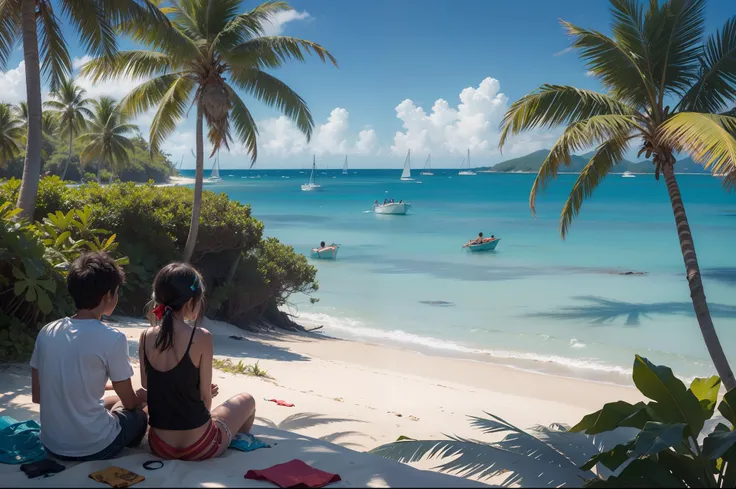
{"x": 656, "y": 437}
{"x": 675, "y": 404}
{"x": 640, "y": 473}
{"x": 608, "y": 418}
{"x": 612, "y": 459}
{"x": 718, "y": 443}
{"x": 727, "y": 407}
{"x": 706, "y": 390}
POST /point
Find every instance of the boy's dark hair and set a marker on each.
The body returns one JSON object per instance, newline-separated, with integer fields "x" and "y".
{"x": 91, "y": 276}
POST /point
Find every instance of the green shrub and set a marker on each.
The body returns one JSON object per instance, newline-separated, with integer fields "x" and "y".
{"x": 247, "y": 277}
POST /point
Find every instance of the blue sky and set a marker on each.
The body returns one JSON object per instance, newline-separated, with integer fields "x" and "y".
{"x": 397, "y": 58}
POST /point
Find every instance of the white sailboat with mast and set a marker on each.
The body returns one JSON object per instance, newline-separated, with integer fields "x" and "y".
{"x": 215, "y": 174}
{"x": 428, "y": 167}
{"x": 311, "y": 186}
{"x": 345, "y": 166}
{"x": 466, "y": 172}
{"x": 406, "y": 174}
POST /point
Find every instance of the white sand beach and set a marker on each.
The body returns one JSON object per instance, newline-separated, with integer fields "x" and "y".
{"x": 360, "y": 395}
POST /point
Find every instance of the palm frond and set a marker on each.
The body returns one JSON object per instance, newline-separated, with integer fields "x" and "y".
{"x": 708, "y": 138}
{"x": 133, "y": 64}
{"x": 629, "y": 33}
{"x": 675, "y": 32}
{"x": 148, "y": 94}
{"x": 92, "y": 26}
{"x": 214, "y": 16}
{"x": 172, "y": 106}
{"x": 248, "y": 25}
{"x": 167, "y": 37}
{"x": 273, "y": 51}
{"x": 577, "y": 137}
{"x": 245, "y": 125}
{"x": 607, "y": 155}
{"x": 9, "y": 29}
{"x": 275, "y": 93}
{"x": 11, "y": 134}
{"x": 716, "y": 86}
{"x": 552, "y": 105}
{"x": 56, "y": 64}
{"x": 617, "y": 69}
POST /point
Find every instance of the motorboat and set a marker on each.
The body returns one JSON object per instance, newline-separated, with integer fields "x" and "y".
{"x": 392, "y": 208}
{"x": 628, "y": 174}
{"x": 326, "y": 253}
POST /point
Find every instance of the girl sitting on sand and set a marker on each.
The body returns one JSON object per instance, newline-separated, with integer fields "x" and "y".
{"x": 176, "y": 370}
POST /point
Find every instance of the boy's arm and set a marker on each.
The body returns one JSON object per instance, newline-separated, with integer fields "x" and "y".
{"x": 35, "y": 387}
{"x": 124, "y": 390}
{"x": 121, "y": 372}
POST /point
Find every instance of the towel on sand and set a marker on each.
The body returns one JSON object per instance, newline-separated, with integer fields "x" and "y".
{"x": 19, "y": 442}
{"x": 295, "y": 473}
{"x": 245, "y": 442}
{"x": 279, "y": 402}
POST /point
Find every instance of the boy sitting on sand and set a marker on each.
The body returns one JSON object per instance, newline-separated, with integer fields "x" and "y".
{"x": 72, "y": 362}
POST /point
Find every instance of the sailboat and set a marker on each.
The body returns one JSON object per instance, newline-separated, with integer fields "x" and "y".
{"x": 428, "y": 167}
{"x": 406, "y": 174}
{"x": 466, "y": 172}
{"x": 215, "y": 174}
{"x": 345, "y": 166}
{"x": 311, "y": 186}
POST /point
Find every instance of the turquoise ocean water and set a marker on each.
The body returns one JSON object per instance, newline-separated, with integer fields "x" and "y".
{"x": 537, "y": 302}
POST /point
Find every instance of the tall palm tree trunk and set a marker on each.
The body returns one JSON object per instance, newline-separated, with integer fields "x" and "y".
{"x": 697, "y": 293}
{"x": 198, "y": 179}
{"x": 32, "y": 165}
{"x": 69, "y": 156}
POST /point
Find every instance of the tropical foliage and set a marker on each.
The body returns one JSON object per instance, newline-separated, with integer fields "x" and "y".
{"x": 11, "y": 134}
{"x": 107, "y": 139}
{"x": 665, "y": 88}
{"x": 209, "y": 53}
{"x": 70, "y": 107}
{"x": 248, "y": 277}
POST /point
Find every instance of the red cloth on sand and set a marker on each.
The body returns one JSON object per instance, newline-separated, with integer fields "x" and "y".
{"x": 281, "y": 403}
{"x": 295, "y": 473}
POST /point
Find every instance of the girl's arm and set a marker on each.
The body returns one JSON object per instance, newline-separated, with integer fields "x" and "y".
{"x": 141, "y": 359}
{"x": 207, "y": 348}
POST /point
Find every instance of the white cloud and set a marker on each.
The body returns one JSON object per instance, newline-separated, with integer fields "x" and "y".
{"x": 589, "y": 73}
{"x": 13, "y": 84}
{"x": 277, "y": 21}
{"x": 79, "y": 62}
{"x": 280, "y": 137}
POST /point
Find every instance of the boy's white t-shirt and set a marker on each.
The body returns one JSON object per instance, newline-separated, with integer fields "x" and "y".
{"x": 74, "y": 359}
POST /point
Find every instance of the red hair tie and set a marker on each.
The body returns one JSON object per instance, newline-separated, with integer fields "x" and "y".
{"x": 160, "y": 310}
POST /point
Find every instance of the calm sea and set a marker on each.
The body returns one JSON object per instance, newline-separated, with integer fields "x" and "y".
{"x": 537, "y": 302}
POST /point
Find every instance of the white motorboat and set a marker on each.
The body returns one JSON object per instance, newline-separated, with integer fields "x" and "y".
{"x": 427, "y": 171}
{"x": 392, "y": 208}
{"x": 311, "y": 186}
{"x": 628, "y": 174}
{"x": 406, "y": 174}
{"x": 466, "y": 171}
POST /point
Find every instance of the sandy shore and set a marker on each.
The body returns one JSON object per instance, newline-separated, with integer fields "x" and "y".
{"x": 361, "y": 395}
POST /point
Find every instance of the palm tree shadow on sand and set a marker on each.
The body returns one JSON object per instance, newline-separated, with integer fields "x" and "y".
{"x": 601, "y": 311}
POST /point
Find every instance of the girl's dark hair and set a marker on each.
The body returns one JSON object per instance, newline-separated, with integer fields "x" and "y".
{"x": 174, "y": 286}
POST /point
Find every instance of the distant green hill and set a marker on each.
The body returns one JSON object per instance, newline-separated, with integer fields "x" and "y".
{"x": 532, "y": 162}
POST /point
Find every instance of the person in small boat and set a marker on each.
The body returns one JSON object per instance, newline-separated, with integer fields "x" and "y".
{"x": 385, "y": 201}
{"x": 321, "y": 245}
{"x": 176, "y": 371}
{"x": 392, "y": 201}
{"x": 479, "y": 239}
{"x": 401, "y": 201}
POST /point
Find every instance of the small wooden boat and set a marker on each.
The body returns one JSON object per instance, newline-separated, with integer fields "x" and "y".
{"x": 393, "y": 208}
{"x": 486, "y": 245}
{"x": 326, "y": 253}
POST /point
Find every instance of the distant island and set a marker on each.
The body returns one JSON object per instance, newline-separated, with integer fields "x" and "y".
{"x": 532, "y": 162}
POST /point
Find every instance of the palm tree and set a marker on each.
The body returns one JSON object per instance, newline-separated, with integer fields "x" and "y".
{"x": 107, "y": 139}
{"x": 70, "y": 106}
{"x": 11, "y": 134}
{"x": 49, "y": 125}
{"x": 209, "y": 53}
{"x": 664, "y": 88}
{"x": 34, "y": 21}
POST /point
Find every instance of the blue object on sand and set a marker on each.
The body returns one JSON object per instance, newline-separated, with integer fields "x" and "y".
{"x": 245, "y": 442}
{"x": 19, "y": 442}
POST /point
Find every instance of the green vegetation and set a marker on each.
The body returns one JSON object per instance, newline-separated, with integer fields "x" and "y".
{"x": 11, "y": 134}
{"x": 654, "y": 55}
{"x": 662, "y": 443}
{"x": 69, "y": 105}
{"x": 207, "y": 52}
{"x": 240, "y": 368}
{"x": 247, "y": 277}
